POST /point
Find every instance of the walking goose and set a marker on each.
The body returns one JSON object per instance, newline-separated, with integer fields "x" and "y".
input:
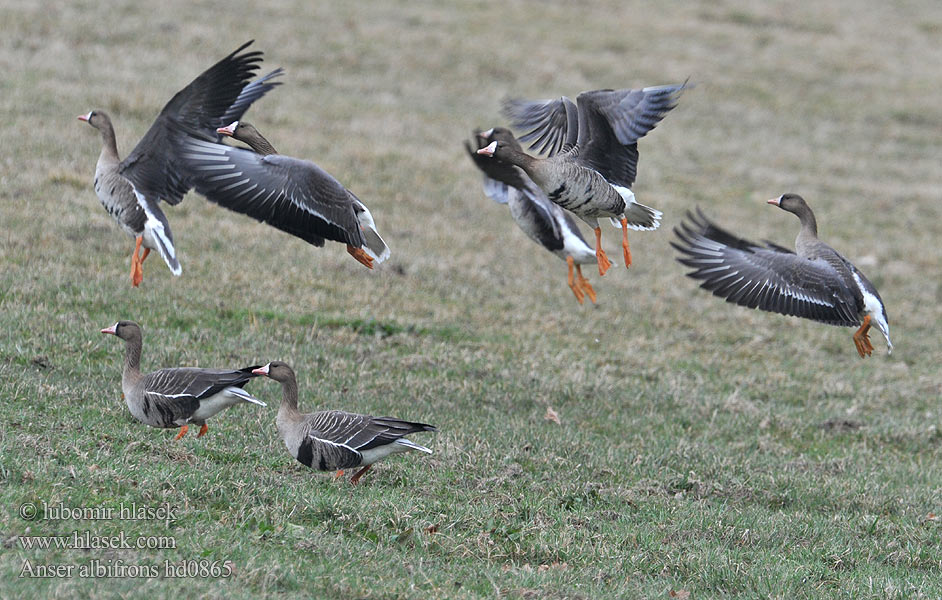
{"x": 592, "y": 149}
{"x": 293, "y": 195}
{"x": 333, "y": 439}
{"x": 130, "y": 190}
{"x": 814, "y": 282}
{"x": 177, "y": 397}
{"x": 544, "y": 222}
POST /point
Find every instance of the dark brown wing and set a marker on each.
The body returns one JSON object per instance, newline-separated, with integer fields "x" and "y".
{"x": 612, "y": 121}
{"x": 765, "y": 277}
{"x": 293, "y": 195}
{"x": 152, "y": 166}
{"x": 176, "y": 393}
{"x": 553, "y": 124}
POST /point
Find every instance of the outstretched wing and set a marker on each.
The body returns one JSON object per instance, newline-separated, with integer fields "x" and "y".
{"x": 152, "y": 167}
{"x": 553, "y": 124}
{"x": 766, "y": 277}
{"x": 293, "y": 195}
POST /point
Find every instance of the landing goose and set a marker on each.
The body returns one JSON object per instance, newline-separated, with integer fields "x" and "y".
{"x": 130, "y": 190}
{"x": 180, "y": 396}
{"x": 592, "y": 154}
{"x": 293, "y": 195}
{"x": 814, "y": 282}
{"x": 336, "y": 440}
{"x": 544, "y": 222}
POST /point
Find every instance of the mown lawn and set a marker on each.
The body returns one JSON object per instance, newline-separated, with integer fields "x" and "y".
{"x": 702, "y": 448}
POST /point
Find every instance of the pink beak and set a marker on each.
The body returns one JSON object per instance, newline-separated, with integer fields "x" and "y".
{"x": 113, "y": 330}
{"x": 228, "y": 129}
{"x": 775, "y": 201}
{"x": 85, "y": 117}
{"x": 261, "y": 370}
{"x": 489, "y": 149}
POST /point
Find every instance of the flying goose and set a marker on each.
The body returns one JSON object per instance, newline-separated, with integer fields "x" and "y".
{"x": 814, "y": 282}
{"x": 180, "y": 396}
{"x": 293, "y": 195}
{"x": 336, "y": 440}
{"x": 592, "y": 149}
{"x": 130, "y": 190}
{"x": 544, "y": 222}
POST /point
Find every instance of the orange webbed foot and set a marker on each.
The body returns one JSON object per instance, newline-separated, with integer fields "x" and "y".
{"x": 862, "y": 338}
{"x": 584, "y": 284}
{"x": 137, "y": 269}
{"x": 182, "y": 433}
{"x": 603, "y": 261}
{"x": 365, "y": 259}
{"x": 624, "y": 242}
{"x": 574, "y": 284}
{"x": 356, "y": 477}
{"x": 339, "y": 474}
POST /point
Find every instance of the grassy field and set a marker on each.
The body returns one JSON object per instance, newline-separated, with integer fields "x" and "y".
{"x": 702, "y": 449}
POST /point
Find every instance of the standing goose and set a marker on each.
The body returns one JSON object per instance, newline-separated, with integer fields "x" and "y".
{"x": 544, "y": 222}
{"x": 592, "y": 149}
{"x": 814, "y": 282}
{"x": 336, "y": 440}
{"x": 293, "y": 195}
{"x": 130, "y": 190}
{"x": 176, "y": 397}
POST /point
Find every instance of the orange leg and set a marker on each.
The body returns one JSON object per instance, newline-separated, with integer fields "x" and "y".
{"x": 365, "y": 259}
{"x": 862, "y": 338}
{"x": 358, "y": 474}
{"x": 574, "y": 285}
{"x": 144, "y": 256}
{"x": 584, "y": 284}
{"x": 182, "y": 433}
{"x": 137, "y": 271}
{"x": 604, "y": 263}
{"x": 624, "y": 242}
{"x": 339, "y": 474}
{"x": 203, "y": 430}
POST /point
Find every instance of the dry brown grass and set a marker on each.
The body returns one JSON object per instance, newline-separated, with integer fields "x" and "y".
{"x": 838, "y": 102}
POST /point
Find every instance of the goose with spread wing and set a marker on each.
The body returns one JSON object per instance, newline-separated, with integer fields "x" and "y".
{"x": 541, "y": 220}
{"x": 592, "y": 154}
{"x": 293, "y": 195}
{"x": 814, "y": 282}
{"x": 177, "y": 397}
{"x": 130, "y": 189}
{"x": 334, "y": 440}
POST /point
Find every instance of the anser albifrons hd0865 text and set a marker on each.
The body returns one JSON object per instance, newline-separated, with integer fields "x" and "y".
{"x": 180, "y": 396}
{"x": 130, "y": 190}
{"x": 293, "y": 195}
{"x": 592, "y": 149}
{"x": 814, "y": 282}
{"x": 336, "y": 440}
{"x": 543, "y": 221}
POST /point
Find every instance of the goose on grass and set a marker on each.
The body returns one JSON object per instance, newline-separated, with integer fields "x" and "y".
{"x": 334, "y": 440}
{"x": 177, "y": 397}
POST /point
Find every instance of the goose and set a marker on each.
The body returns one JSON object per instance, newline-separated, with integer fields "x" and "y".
{"x": 291, "y": 194}
{"x": 130, "y": 189}
{"x": 542, "y": 221}
{"x": 814, "y": 282}
{"x": 333, "y": 439}
{"x": 179, "y": 396}
{"x": 592, "y": 149}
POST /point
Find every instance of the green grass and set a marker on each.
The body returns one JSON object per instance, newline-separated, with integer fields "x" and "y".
{"x": 702, "y": 447}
